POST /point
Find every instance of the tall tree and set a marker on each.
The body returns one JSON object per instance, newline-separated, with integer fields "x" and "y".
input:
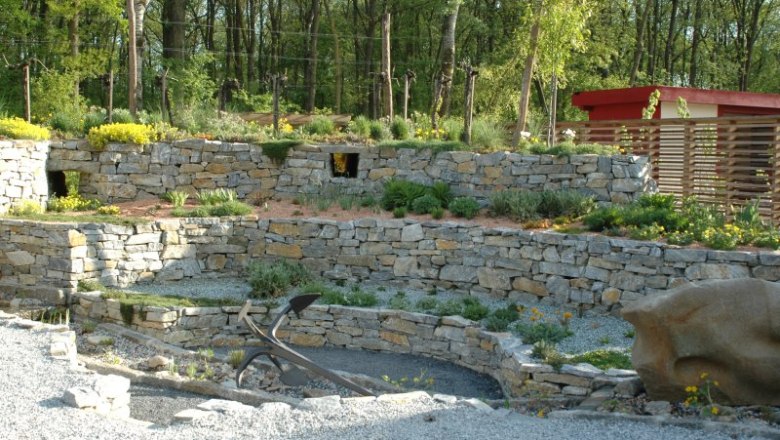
{"x": 311, "y": 30}
{"x": 174, "y": 17}
{"x": 447, "y": 54}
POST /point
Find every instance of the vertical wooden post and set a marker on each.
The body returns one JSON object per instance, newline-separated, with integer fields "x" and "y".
{"x": 110, "y": 110}
{"x": 775, "y": 215}
{"x": 26, "y": 86}
{"x": 387, "y": 80}
{"x": 468, "y": 100}
{"x": 437, "y": 84}
{"x": 132, "y": 80}
{"x": 277, "y": 84}
{"x": 553, "y": 108}
{"x": 377, "y": 94}
{"x": 408, "y": 78}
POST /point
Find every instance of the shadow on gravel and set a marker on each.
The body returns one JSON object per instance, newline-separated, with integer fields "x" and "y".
{"x": 159, "y": 405}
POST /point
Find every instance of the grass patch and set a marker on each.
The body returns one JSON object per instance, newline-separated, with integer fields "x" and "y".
{"x": 277, "y": 150}
{"x": 141, "y": 299}
{"x": 269, "y": 280}
{"x": 81, "y": 218}
{"x": 433, "y": 145}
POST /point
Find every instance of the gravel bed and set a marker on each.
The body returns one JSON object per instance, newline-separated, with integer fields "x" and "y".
{"x": 591, "y": 331}
{"x": 32, "y": 385}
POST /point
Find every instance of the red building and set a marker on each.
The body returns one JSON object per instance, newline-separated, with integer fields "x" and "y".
{"x": 628, "y": 103}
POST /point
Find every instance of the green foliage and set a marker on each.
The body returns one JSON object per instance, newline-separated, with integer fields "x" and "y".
{"x": 399, "y": 212}
{"x": 353, "y": 299}
{"x": 17, "y": 128}
{"x": 378, "y": 131}
{"x": 122, "y": 116}
{"x": 92, "y": 119}
{"x": 272, "y": 279}
{"x": 425, "y": 204}
{"x": 427, "y": 305}
{"x": 346, "y": 202}
{"x": 108, "y": 210}
{"x": 566, "y": 149}
{"x": 488, "y": 135}
{"x": 218, "y": 196}
{"x": 449, "y": 308}
{"x": 401, "y": 193}
{"x": 532, "y": 333}
{"x": 231, "y": 208}
{"x": 66, "y": 122}
{"x": 442, "y": 192}
{"x": 529, "y": 205}
{"x": 53, "y": 92}
{"x": 452, "y": 127}
{"x": 467, "y": 207}
{"x": 138, "y": 134}
{"x": 500, "y": 319}
{"x": 367, "y": 201}
{"x": 360, "y": 126}
{"x": 399, "y": 128}
{"x": 547, "y": 352}
{"x": 320, "y": 125}
{"x": 436, "y": 146}
{"x": 437, "y": 213}
{"x": 235, "y": 357}
{"x": 25, "y": 208}
{"x": 604, "y": 359}
{"x": 400, "y": 302}
{"x": 177, "y": 198}
{"x": 474, "y": 311}
{"x": 277, "y": 150}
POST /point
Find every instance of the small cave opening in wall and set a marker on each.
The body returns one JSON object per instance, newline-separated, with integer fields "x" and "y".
{"x": 344, "y": 164}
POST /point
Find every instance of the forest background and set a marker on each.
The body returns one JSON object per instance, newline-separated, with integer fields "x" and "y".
{"x": 331, "y": 52}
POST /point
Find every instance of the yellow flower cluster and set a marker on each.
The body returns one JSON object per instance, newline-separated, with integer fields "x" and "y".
{"x": 123, "y": 133}
{"x": 429, "y": 134}
{"x": 340, "y": 163}
{"x": 18, "y": 128}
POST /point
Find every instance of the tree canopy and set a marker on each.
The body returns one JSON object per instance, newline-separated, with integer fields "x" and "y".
{"x": 331, "y": 50}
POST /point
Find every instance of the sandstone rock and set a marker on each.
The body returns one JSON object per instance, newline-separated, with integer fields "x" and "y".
{"x": 82, "y": 397}
{"x": 158, "y": 361}
{"x": 727, "y": 328}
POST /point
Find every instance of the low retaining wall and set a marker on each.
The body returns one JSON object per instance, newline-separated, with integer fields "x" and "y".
{"x": 124, "y": 172}
{"x": 451, "y": 338}
{"x": 589, "y": 271}
{"x": 23, "y": 172}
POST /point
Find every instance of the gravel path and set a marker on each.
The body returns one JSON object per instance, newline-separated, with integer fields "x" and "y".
{"x": 32, "y": 384}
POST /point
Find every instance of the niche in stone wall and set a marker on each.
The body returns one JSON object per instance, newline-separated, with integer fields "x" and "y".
{"x": 344, "y": 164}
{"x": 58, "y": 187}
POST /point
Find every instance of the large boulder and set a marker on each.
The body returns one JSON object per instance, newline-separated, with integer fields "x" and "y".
{"x": 729, "y": 329}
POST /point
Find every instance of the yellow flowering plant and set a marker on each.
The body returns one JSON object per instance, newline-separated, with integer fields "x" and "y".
{"x": 18, "y": 128}
{"x": 139, "y": 134}
{"x": 701, "y": 394}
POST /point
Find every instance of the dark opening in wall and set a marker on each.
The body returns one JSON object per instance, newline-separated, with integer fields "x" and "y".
{"x": 344, "y": 164}
{"x": 57, "y": 185}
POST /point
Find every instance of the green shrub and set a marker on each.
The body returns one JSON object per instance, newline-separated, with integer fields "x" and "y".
{"x": 401, "y": 193}
{"x": 657, "y": 201}
{"x": 121, "y": 116}
{"x": 399, "y": 212}
{"x": 518, "y": 205}
{"x": 549, "y": 354}
{"x": 400, "y": 302}
{"x": 321, "y": 125}
{"x": 436, "y": 146}
{"x": 177, "y": 198}
{"x": 467, "y": 207}
{"x": 209, "y": 197}
{"x": 571, "y": 203}
{"x": 272, "y": 279}
{"x": 26, "y": 207}
{"x": 496, "y": 324}
{"x": 449, "y": 308}
{"x": 346, "y": 202}
{"x": 452, "y": 127}
{"x": 427, "y": 304}
{"x": 487, "y": 134}
{"x": 603, "y": 218}
{"x": 360, "y": 126}
{"x": 473, "y": 310}
{"x": 17, "y": 128}
{"x": 94, "y": 119}
{"x": 352, "y": 299}
{"x": 277, "y": 150}
{"x": 437, "y": 213}
{"x": 425, "y": 204}
{"x": 66, "y": 122}
{"x": 533, "y": 332}
{"x": 231, "y": 208}
{"x": 378, "y": 131}
{"x": 400, "y": 128}
{"x": 367, "y": 201}
{"x": 442, "y": 191}
{"x": 123, "y": 133}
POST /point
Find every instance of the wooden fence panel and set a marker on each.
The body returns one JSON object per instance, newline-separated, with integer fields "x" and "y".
{"x": 722, "y": 161}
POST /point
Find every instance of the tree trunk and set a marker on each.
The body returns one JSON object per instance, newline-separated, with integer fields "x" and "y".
{"x": 250, "y": 41}
{"x": 670, "y": 38}
{"x": 275, "y": 16}
{"x": 132, "y": 53}
{"x": 639, "y": 48}
{"x": 528, "y": 72}
{"x": 73, "y": 38}
{"x": 448, "y": 55}
{"x": 174, "y": 16}
{"x": 339, "y": 76}
{"x": 311, "y": 24}
{"x": 238, "y": 25}
{"x": 386, "y": 76}
{"x": 140, "y": 45}
{"x": 693, "y": 73}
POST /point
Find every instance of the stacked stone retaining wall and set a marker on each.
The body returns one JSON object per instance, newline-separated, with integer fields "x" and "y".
{"x": 23, "y": 173}
{"x": 589, "y": 271}
{"x": 450, "y": 338}
{"x": 124, "y": 172}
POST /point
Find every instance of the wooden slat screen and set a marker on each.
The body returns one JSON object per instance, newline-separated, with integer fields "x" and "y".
{"x": 722, "y": 161}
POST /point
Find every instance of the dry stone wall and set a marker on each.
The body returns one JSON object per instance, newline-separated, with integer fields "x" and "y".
{"x": 450, "y": 338}
{"x": 124, "y": 172}
{"x": 588, "y": 271}
{"x": 23, "y": 172}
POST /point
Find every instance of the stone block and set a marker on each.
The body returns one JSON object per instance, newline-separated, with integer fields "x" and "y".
{"x": 284, "y": 250}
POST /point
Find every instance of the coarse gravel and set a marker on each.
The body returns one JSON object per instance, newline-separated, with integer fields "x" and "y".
{"x": 32, "y": 385}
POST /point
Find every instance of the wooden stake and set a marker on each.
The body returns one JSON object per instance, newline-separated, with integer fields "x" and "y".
{"x": 132, "y": 81}
{"x": 408, "y": 77}
{"x": 110, "y": 110}
{"x": 468, "y": 114}
{"x": 26, "y": 86}
{"x": 387, "y": 83}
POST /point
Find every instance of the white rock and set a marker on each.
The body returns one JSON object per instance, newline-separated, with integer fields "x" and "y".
{"x": 571, "y": 390}
{"x": 111, "y": 386}
{"x": 617, "y": 372}
{"x": 324, "y": 404}
{"x": 403, "y": 397}
{"x": 220, "y": 405}
{"x": 445, "y": 398}
{"x": 82, "y": 397}
{"x": 190, "y": 414}
{"x": 158, "y": 362}
{"x": 581, "y": 370}
{"x": 478, "y": 404}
